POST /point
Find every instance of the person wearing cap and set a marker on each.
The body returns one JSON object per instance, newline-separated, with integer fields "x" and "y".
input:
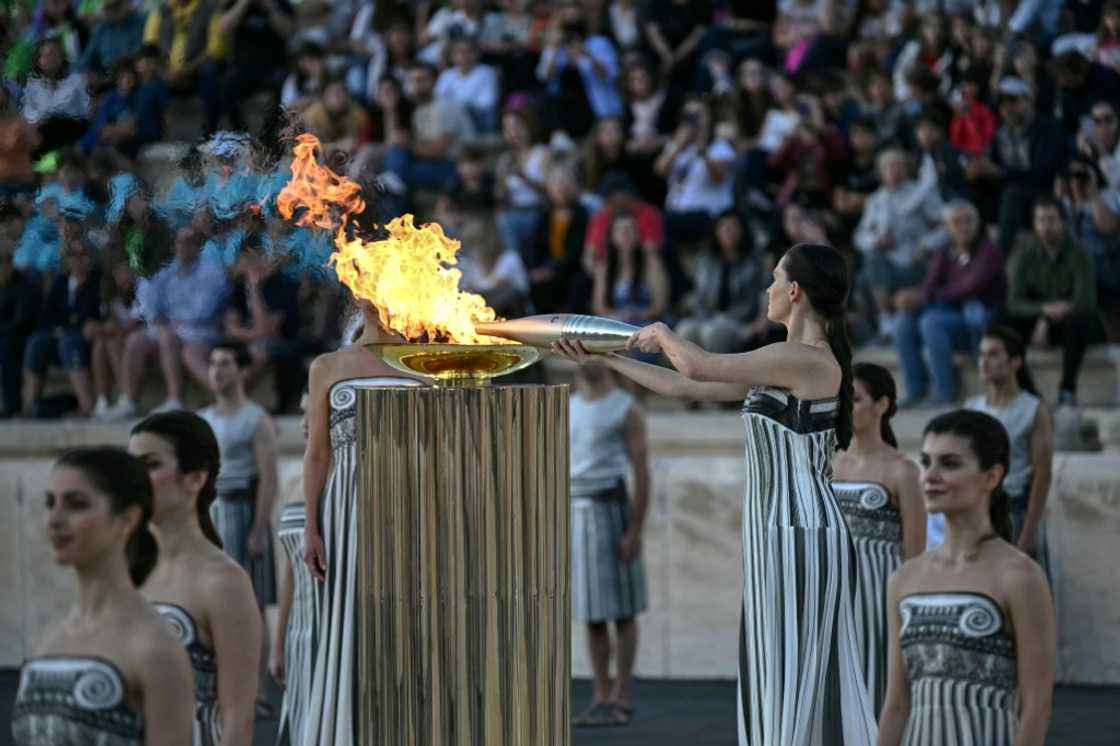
{"x": 1028, "y": 151}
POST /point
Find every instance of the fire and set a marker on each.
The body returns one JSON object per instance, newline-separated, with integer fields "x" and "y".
{"x": 410, "y": 276}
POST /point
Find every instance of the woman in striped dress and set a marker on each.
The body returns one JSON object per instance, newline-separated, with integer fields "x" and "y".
{"x": 204, "y": 595}
{"x": 330, "y": 528}
{"x": 800, "y": 682}
{"x": 877, "y": 489}
{"x": 294, "y": 653}
{"x": 972, "y": 633}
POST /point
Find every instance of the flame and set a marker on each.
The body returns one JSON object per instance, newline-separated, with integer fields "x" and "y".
{"x": 410, "y": 277}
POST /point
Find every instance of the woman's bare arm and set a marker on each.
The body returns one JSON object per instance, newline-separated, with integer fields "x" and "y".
{"x": 1032, "y": 617}
{"x": 167, "y": 687}
{"x": 911, "y": 506}
{"x": 896, "y": 704}
{"x": 658, "y": 281}
{"x": 235, "y": 625}
{"x": 316, "y": 462}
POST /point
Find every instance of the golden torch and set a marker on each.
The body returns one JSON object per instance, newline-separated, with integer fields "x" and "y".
{"x": 463, "y": 617}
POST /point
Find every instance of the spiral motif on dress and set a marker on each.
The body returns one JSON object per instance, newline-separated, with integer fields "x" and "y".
{"x": 873, "y": 497}
{"x": 343, "y": 397}
{"x": 979, "y": 620}
{"x": 181, "y": 624}
{"x": 98, "y": 689}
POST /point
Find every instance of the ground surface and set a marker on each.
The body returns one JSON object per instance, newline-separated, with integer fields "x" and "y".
{"x": 702, "y": 713}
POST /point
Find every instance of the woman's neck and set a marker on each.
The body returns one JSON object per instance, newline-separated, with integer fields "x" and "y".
{"x": 867, "y": 440}
{"x": 176, "y": 531}
{"x": 372, "y": 333}
{"x": 100, "y": 586}
{"x": 807, "y": 329}
{"x": 966, "y": 534}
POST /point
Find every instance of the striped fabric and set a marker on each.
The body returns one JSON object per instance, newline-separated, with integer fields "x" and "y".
{"x": 876, "y": 527}
{"x": 299, "y": 637}
{"x": 204, "y": 664}
{"x": 960, "y": 659}
{"x": 330, "y": 713}
{"x": 800, "y": 682}
{"x": 604, "y": 588}
{"x": 233, "y": 513}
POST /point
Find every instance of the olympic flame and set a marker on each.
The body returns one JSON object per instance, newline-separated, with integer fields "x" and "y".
{"x": 410, "y": 276}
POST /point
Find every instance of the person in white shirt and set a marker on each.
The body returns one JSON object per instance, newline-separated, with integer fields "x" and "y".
{"x": 55, "y": 101}
{"x": 472, "y": 85}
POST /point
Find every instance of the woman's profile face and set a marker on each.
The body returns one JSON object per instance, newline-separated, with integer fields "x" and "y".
{"x": 158, "y": 456}
{"x": 729, "y": 234}
{"x": 951, "y": 478}
{"x": 864, "y": 411}
{"x": 78, "y": 519}
{"x": 777, "y": 295}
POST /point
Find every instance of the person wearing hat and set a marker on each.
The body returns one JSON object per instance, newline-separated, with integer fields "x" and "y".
{"x": 1028, "y": 151}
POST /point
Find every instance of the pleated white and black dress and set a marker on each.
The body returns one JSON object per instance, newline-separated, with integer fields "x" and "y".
{"x": 299, "y": 637}
{"x": 330, "y": 710}
{"x": 959, "y": 655}
{"x": 800, "y": 679}
{"x": 876, "y": 527}
{"x": 204, "y": 664}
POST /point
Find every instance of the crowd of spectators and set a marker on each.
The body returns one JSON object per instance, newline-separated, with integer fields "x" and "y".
{"x": 646, "y": 160}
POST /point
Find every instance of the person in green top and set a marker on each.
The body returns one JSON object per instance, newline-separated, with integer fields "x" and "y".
{"x": 1053, "y": 295}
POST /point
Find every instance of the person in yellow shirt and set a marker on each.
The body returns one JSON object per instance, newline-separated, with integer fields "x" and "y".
{"x": 190, "y": 34}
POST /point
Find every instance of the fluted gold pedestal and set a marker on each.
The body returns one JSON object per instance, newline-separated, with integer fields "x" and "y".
{"x": 464, "y": 624}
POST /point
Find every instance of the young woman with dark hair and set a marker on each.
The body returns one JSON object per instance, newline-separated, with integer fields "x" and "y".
{"x": 877, "y": 488}
{"x": 799, "y": 669}
{"x": 972, "y": 630}
{"x": 205, "y": 596}
{"x": 86, "y": 681}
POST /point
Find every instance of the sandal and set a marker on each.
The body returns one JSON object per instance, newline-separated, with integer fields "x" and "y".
{"x": 622, "y": 714}
{"x": 598, "y": 715}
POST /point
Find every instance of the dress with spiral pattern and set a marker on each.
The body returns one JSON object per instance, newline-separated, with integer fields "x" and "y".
{"x": 960, "y": 661}
{"x": 330, "y": 719}
{"x": 74, "y": 701}
{"x": 876, "y": 527}
{"x": 204, "y": 664}
{"x": 299, "y": 637}
{"x": 800, "y": 680}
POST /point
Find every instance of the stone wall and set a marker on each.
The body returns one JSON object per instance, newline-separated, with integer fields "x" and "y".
{"x": 691, "y": 550}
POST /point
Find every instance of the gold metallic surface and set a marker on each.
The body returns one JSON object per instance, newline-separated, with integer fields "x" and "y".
{"x": 457, "y": 363}
{"x": 464, "y": 621}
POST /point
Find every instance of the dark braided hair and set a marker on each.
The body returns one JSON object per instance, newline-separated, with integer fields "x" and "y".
{"x": 988, "y": 441}
{"x": 880, "y": 385}
{"x": 822, "y": 272}
{"x": 196, "y": 449}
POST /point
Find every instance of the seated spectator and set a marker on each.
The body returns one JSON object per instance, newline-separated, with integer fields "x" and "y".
{"x": 697, "y": 164}
{"x": 17, "y": 144}
{"x": 1101, "y": 141}
{"x": 471, "y": 190}
{"x": 1107, "y": 51}
{"x": 459, "y": 18}
{"x": 519, "y": 187}
{"x": 189, "y": 35}
{"x": 860, "y": 176}
{"x": 74, "y": 299}
{"x": 305, "y": 83}
{"x": 264, "y": 315}
{"x": 338, "y": 121}
{"x": 258, "y": 33}
{"x": 423, "y": 158}
{"x": 470, "y": 84}
{"x": 803, "y": 165}
{"x": 1080, "y": 83}
{"x": 880, "y": 106}
{"x": 121, "y": 315}
{"x": 368, "y": 55}
{"x": 962, "y": 292}
{"x": 674, "y": 30}
{"x": 728, "y": 312}
{"x": 132, "y": 113}
{"x": 747, "y": 102}
{"x": 20, "y": 304}
{"x": 579, "y": 73}
{"x": 497, "y": 274}
{"x": 930, "y": 50}
{"x": 630, "y": 283}
{"x": 604, "y": 151}
{"x": 182, "y": 306}
{"x": 939, "y": 163}
{"x": 55, "y": 101}
{"x": 1092, "y": 217}
{"x": 51, "y": 19}
{"x": 650, "y": 115}
{"x": 974, "y": 125}
{"x": 1053, "y": 295}
{"x": 1026, "y": 155}
{"x": 556, "y": 274}
{"x": 894, "y": 235}
{"x": 116, "y": 37}
{"x": 505, "y": 41}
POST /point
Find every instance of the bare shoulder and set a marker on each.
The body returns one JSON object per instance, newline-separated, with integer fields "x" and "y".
{"x": 907, "y": 578}
{"x": 813, "y": 372}
{"x": 224, "y": 579}
{"x": 901, "y": 470}
{"x": 1018, "y": 573}
{"x": 152, "y": 645}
